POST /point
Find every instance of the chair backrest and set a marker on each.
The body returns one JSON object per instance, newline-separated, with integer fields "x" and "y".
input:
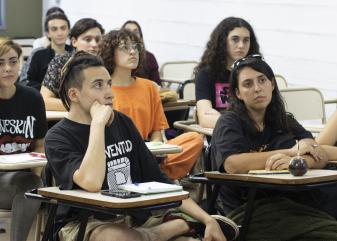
{"x": 304, "y": 103}
{"x": 24, "y": 41}
{"x": 178, "y": 69}
{"x": 281, "y": 81}
{"x": 26, "y": 51}
{"x": 4, "y": 213}
{"x": 187, "y": 90}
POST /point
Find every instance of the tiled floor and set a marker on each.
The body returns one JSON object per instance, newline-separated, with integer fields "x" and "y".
{"x": 5, "y": 223}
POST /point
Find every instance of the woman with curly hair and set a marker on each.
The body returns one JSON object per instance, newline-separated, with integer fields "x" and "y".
{"x": 149, "y": 67}
{"x": 138, "y": 98}
{"x": 232, "y": 39}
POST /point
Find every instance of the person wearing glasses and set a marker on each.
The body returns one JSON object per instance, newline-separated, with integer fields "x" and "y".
{"x": 149, "y": 67}
{"x": 138, "y": 98}
{"x": 257, "y": 133}
{"x": 97, "y": 147}
{"x": 23, "y": 126}
{"x": 84, "y": 35}
{"x": 232, "y": 39}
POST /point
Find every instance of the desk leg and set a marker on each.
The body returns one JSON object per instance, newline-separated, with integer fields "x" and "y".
{"x": 48, "y": 231}
{"x": 248, "y": 214}
{"x": 84, "y": 221}
{"x": 212, "y": 198}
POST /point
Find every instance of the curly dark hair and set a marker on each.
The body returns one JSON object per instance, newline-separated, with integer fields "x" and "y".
{"x": 215, "y": 56}
{"x": 276, "y": 116}
{"x": 110, "y": 42}
{"x": 143, "y": 70}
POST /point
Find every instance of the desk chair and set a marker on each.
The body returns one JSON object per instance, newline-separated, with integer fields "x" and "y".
{"x": 8, "y": 214}
{"x": 24, "y": 40}
{"x": 306, "y": 104}
{"x": 177, "y": 72}
{"x": 281, "y": 81}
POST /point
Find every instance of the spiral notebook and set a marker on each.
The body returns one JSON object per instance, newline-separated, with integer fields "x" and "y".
{"x": 151, "y": 187}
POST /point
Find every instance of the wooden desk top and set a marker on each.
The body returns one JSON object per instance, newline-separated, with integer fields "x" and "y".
{"x": 191, "y": 125}
{"x": 311, "y": 177}
{"x": 178, "y": 105}
{"x": 56, "y": 115}
{"x": 20, "y": 162}
{"x": 98, "y": 199}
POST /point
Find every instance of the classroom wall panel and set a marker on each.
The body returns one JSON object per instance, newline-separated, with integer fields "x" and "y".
{"x": 23, "y": 18}
{"x": 297, "y": 37}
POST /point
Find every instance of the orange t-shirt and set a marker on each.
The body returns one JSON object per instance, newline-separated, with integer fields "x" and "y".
{"x": 141, "y": 102}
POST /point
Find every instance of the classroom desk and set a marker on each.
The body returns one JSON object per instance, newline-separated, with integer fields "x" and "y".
{"x": 191, "y": 125}
{"x": 178, "y": 105}
{"x": 284, "y": 182}
{"x": 95, "y": 202}
{"x": 56, "y": 115}
{"x": 18, "y": 165}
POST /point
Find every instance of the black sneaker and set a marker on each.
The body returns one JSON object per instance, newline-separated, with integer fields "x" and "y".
{"x": 197, "y": 229}
{"x": 228, "y": 227}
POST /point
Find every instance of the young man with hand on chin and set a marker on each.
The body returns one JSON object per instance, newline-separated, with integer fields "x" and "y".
{"x": 80, "y": 150}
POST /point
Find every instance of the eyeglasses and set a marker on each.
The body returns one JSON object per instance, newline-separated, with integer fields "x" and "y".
{"x": 128, "y": 47}
{"x": 239, "y": 61}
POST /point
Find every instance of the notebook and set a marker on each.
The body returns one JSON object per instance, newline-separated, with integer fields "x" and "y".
{"x": 151, "y": 187}
{"x": 22, "y": 157}
{"x": 155, "y": 145}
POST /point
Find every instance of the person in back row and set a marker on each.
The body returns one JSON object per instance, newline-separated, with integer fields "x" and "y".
{"x": 232, "y": 39}
{"x": 148, "y": 69}
{"x": 44, "y": 42}
{"x": 81, "y": 153}
{"x": 57, "y": 27}
{"x": 85, "y": 35}
{"x": 122, "y": 51}
{"x": 22, "y": 129}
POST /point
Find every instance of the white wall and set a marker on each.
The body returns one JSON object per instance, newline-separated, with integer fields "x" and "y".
{"x": 297, "y": 37}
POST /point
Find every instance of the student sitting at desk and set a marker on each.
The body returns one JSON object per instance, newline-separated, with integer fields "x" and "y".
{"x": 57, "y": 27}
{"x": 98, "y": 148}
{"x": 85, "y": 36}
{"x": 139, "y": 99}
{"x": 257, "y": 133}
{"x": 232, "y": 39}
{"x": 22, "y": 128}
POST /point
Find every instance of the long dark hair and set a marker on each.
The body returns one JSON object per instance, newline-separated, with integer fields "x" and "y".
{"x": 215, "y": 56}
{"x": 109, "y": 44}
{"x": 276, "y": 116}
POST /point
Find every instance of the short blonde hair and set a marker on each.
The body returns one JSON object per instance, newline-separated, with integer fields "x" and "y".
{"x": 7, "y": 44}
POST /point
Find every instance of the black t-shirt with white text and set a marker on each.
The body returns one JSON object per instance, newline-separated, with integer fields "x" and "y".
{"x": 127, "y": 157}
{"x": 22, "y": 120}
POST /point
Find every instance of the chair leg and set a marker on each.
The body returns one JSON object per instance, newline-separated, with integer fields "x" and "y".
{"x": 38, "y": 226}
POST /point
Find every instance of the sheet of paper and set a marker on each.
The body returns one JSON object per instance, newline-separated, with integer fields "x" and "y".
{"x": 151, "y": 187}
{"x": 22, "y": 157}
{"x": 155, "y": 145}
